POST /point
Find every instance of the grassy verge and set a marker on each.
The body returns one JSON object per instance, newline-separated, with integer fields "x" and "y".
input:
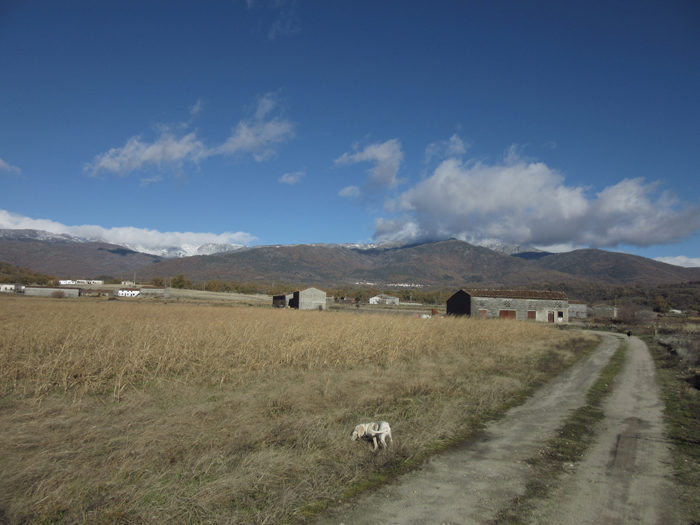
{"x": 682, "y": 418}
{"x": 567, "y": 447}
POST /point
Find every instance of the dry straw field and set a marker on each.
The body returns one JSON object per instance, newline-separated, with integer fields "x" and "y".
{"x": 153, "y": 412}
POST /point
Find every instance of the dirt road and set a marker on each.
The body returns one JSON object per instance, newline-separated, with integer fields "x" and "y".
{"x": 624, "y": 478}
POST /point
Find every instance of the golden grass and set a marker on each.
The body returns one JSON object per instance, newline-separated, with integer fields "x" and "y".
{"x": 152, "y": 413}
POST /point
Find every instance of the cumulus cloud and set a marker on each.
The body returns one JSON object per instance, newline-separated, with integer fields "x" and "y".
{"x": 259, "y": 134}
{"x": 350, "y": 191}
{"x": 4, "y": 166}
{"x": 525, "y": 202}
{"x": 455, "y": 146}
{"x": 292, "y": 178}
{"x": 124, "y": 235}
{"x": 386, "y": 159}
{"x": 680, "y": 260}
{"x": 256, "y": 136}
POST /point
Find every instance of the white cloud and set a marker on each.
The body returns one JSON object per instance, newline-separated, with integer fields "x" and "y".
{"x": 292, "y": 178}
{"x": 124, "y": 235}
{"x": 386, "y": 157}
{"x": 528, "y": 203}
{"x": 681, "y": 260}
{"x": 350, "y": 191}
{"x": 196, "y": 109}
{"x": 4, "y": 166}
{"x": 167, "y": 151}
{"x": 455, "y": 146}
{"x": 255, "y": 136}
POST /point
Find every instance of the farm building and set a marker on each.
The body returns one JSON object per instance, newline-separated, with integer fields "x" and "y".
{"x": 579, "y": 310}
{"x": 128, "y": 292}
{"x": 309, "y": 299}
{"x": 50, "y": 291}
{"x": 97, "y": 292}
{"x": 604, "y": 311}
{"x": 546, "y": 307}
{"x": 383, "y": 299}
{"x": 154, "y": 291}
{"x": 8, "y": 288}
{"x": 279, "y": 301}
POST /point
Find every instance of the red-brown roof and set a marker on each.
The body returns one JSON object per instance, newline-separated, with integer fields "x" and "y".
{"x": 519, "y": 294}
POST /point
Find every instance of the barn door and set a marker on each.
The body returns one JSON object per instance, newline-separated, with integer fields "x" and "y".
{"x": 550, "y": 317}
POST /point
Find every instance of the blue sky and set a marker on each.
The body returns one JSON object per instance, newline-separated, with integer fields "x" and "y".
{"x": 553, "y": 124}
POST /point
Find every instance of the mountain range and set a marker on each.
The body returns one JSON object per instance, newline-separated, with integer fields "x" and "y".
{"x": 449, "y": 263}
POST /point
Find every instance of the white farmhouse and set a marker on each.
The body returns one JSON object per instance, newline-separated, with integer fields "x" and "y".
{"x": 383, "y": 299}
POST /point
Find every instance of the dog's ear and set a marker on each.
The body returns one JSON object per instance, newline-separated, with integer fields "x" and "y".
{"x": 360, "y": 430}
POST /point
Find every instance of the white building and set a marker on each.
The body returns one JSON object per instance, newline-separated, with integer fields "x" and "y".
{"x": 8, "y": 288}
{"x": 383, "y": 299}
{"x": 128, "y": 292}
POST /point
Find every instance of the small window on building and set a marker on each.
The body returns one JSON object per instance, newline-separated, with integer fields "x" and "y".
{"x": 531, "y": 314}
{"x": 483, "y": 313}
{"x": 560, "y": 315}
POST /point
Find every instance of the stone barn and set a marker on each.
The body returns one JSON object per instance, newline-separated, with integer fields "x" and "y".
{"x": 309, "y": 299}
{"x": 546, "y": 307}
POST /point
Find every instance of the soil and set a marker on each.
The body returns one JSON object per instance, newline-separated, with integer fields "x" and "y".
{"x": 624, "y": 478}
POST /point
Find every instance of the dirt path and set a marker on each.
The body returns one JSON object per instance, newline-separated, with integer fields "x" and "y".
{"x": 471, "y": 484}
{"x": 626, "y": 476}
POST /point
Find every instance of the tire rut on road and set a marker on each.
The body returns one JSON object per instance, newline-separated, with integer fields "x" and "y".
{"x": 471, "y": 483}
{"x": 626, "y": 476}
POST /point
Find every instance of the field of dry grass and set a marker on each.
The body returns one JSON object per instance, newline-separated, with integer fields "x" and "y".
{"x": 126, "y": 412}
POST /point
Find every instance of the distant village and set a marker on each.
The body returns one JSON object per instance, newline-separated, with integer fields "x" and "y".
{"x": 534, "y": 305}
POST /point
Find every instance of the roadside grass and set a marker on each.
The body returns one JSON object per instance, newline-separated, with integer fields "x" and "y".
{"x": 682, "y": 418}
{"x": 567, "y": 447}
{"x": 116, "y": 412}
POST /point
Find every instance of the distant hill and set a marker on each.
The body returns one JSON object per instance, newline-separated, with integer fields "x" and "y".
{"x": 450, "y": 263}
{"x": 616, "y": 268}
{"x": 70, "y": 259}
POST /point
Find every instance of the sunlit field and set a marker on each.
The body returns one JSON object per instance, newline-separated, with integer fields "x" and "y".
{"x": 154, "y": 412}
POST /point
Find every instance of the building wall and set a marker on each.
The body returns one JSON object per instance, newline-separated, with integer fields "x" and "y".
{"x": 155, "y": 292}
{"x": 521, "y": 308}
{"x": 459, "y": 304}
{"x": 310, "y": 299}
{"x": 40, "y": 291}
{"x": 578, "y": 311}
{"x": 383, "y": 299}
{"x": 128, "y": 293}
{"x": 7, "y": 287}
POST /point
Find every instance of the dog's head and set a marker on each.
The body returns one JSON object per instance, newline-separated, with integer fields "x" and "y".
{"x": 358, "y": 432}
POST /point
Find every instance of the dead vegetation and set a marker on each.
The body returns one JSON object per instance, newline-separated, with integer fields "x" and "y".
{"x": 115, "y": 412}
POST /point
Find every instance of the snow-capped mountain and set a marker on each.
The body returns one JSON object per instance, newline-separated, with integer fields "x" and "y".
{"x": 169, "y": 252}
{"x": 186, "y": 250}
{"x": 40, "y": 235}
{"x": 510, "y": 249}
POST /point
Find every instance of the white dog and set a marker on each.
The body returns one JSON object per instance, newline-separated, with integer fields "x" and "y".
{"x": 373, "y": 431}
